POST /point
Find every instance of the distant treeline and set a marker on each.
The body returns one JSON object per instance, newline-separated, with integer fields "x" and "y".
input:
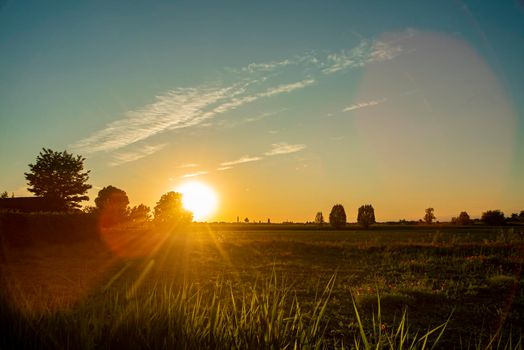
{"x": 59, "y": 181}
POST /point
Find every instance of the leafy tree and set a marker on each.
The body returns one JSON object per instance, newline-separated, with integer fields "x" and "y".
{"x": 462, "y": 219}
{"x": 246, "y": 220}
{"x": 140, "y": 214}
{"x": 429, "y": 216}
{"x": 337, "y": 217}
{"x": 4, "y": 195}
{"x": 112, "y": 204}
{"x": 59, "y": 177}
{"x": 366, "y": 215}
{"x": 319, "y": 218}
{"x": 169, "y": 209}
{"x": 493, "y": 218}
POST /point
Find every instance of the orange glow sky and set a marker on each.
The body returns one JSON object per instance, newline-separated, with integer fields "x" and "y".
{"x": 282, "y": 118}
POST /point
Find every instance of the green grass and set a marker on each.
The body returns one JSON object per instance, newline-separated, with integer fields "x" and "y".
{"x": 215, "y": 288}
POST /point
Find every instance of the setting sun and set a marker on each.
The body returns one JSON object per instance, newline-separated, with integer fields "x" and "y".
{"x": 198, "y": 198}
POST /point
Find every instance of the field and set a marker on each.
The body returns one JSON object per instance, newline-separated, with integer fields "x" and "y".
{"x": 265, "y": 286}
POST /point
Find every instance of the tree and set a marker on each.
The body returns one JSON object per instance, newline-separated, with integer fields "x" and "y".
{"x": 366, "y": 215}
{"x": 493, "y": 218}
{"x": 337, "y": 217}
{"x": 140, "y": 214}
{"x": 429, "y": 216}
{"x": 169, "y": 209}
{"x": 319, "y": 219}
{"x": 59, "y": 177}
{"x": 90, "y": 210}
{"x": 112, "y": 204}
{"x": 4, "y": 195}
{"x": 462, "y": 219}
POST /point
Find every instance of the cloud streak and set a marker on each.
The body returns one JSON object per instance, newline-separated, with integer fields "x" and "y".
{"x": 120, "y": 158}
{"x": 198, "y": 173}
{"x": 241, "y": 160}
{"x": 188, "y": 165}
{"x": 284, "y": 148}
{"x": 365, "y": 104}
{"x": 194, "y": 106}
{"x": 276, "y": 149}
{"x": 180, "y": 108}
{"x": 366, "y": 52}
{"x": 269, "y": 66}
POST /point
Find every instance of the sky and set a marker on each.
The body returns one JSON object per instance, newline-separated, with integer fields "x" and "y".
{"x": 285, "y": 108}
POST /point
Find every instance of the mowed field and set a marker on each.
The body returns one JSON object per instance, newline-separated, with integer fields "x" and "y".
{"x": 248, "y": 286}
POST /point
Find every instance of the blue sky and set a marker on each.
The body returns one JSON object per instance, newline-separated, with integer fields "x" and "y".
{"x": 284, "y": 107}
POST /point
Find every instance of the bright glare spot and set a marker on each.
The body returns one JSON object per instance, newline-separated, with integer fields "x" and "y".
{"x": 198, "y": 198}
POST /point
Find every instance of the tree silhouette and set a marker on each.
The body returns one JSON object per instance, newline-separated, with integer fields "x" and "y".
{"x": 429, "y": 216}
{"x": 4, "y": 194}
{"x": 59, "y": 177}
{"x": 112, "y": 204}
{"x": 366, "y": 215}
{"x": 463, "y": 219}
{"x": 493, "y": 218}
{"x": 319, "y": 218}
{"x": 169, "y": 210}
{"x": 140, "y": 214}
{"x": 337, "y": 217}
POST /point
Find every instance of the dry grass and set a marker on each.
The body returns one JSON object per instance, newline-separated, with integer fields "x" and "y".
{"x": 214, "y": 288}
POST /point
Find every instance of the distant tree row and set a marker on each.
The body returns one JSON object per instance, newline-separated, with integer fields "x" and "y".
{"x": 60, "y": 178}
{"x": 338, "y": 218}
{"x": 366, "y": 217}
{"x": 112, "y": 206}
{"x": 490, "y": 217}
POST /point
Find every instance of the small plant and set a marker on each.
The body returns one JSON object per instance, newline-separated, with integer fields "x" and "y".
{"x": 395, "y": 337}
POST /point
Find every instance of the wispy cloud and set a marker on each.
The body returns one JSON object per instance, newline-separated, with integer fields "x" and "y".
{"x": 366, "y": 52}
{"x": 365, "y": 104}
{"x": 120, "y": 158}
{"x": 287, "y": 88}
{"x": 239, "y": 101}
{"x": 269, "y": 66}
{"x": 284, "y": 148}
{"x": 243, "y": 159}
{"x": 198, "y": 173}
{"x": 222, "y": 168}
{"x": 176, "y": 109}
{"x": 237, "y": 122}
{"x": 188, "y": 165}
{"x": 180, "y": 108}
{"x": 196, "y": 106}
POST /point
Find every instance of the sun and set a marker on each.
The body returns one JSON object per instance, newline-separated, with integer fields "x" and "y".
{"x": 198, "y": 198}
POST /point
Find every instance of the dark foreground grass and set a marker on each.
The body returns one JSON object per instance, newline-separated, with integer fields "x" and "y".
{"x": 209, "y": 288}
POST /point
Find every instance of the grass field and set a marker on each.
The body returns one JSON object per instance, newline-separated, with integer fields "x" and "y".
{"x": 224, "y": 286}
